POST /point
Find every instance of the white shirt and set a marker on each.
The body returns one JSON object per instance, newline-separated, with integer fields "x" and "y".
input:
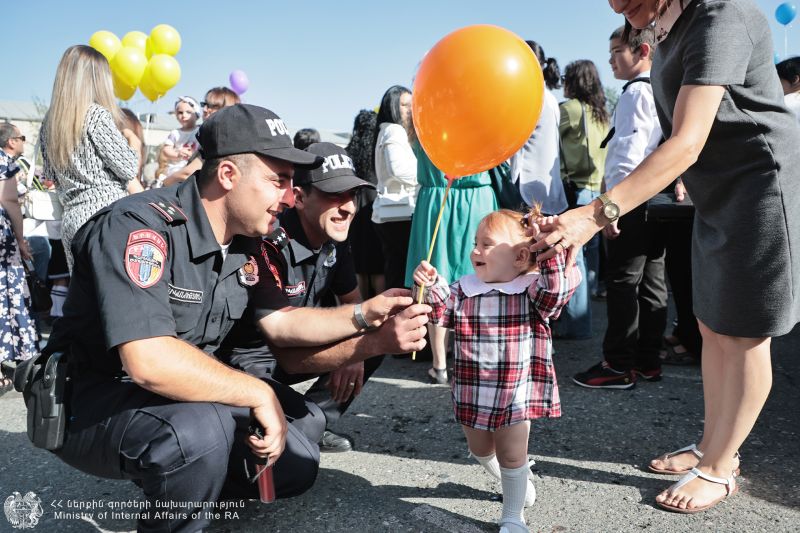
{"x": 537, "y": 165}
{"x": 395, "y": 166}
{"x": 793, "y": 103}
{"x": 637, "y": 132}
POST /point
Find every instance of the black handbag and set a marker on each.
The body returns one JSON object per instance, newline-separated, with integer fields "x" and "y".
{"x": 38, "y": 290}
{"x": 506, "y": 190}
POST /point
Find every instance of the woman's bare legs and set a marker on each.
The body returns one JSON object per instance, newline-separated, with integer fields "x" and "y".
{"x": 742, "y": 388}
{"x": 712, "y": 370}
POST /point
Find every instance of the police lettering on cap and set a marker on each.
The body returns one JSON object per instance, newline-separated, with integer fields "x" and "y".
{"x": 336, "y": 174}
{"x": 250, "y": 129}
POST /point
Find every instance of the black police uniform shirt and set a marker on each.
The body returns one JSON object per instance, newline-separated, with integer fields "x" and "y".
{"x": 149, "y": 266}
{"x": 305, "y": 277}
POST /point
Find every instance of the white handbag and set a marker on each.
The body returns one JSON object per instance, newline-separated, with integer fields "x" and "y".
{"x": 394, "y": 206}
{"x": 39, "y": 203}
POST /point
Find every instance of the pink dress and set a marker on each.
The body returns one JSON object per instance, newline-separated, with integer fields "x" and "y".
{"x": 504, "y": 370}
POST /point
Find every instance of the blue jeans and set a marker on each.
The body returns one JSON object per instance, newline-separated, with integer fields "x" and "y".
{"x": 591, "y": 249}
{"x": 40, "y": 246}
{"x": 575, "y": 321}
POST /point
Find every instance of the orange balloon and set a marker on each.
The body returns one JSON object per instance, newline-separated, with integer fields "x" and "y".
{"x": 477, "y": 98}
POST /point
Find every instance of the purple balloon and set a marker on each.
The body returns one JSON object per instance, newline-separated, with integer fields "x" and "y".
{"x": 239, "y": 81}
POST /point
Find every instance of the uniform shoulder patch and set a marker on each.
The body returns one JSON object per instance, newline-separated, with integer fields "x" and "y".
{"x": 278, "y": 239}
{"x": 145, "y": 256}
{"x": 169, "y": 211}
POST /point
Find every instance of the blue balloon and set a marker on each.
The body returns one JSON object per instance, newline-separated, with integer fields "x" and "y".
{"x": 785, "y": 13}
{"x": 776, "y": 58}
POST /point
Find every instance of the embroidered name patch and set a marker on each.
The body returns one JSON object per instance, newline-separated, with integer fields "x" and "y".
{"x": 188, "y": 296}
{"x": 144, "y": 257}
{"x": 295, "y": 290}
{"x": 248, "y": 274}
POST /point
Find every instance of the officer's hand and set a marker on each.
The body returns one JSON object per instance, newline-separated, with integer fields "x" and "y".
{"x": 270, "y": 416}
{"x": 379, "y": 308}
{"x": 405, "y": 331}
{"x": 346, "y": 382}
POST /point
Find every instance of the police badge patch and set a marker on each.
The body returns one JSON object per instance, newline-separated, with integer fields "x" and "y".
{"x": 145, "y": 256}
{"x": 248, "y": 274}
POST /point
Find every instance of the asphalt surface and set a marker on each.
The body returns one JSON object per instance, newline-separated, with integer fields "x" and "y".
{"x": 410, "y": 470}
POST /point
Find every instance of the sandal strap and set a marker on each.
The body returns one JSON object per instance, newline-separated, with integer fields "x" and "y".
{"x": 690, "y": 448}
{"x": 729, "y": 482}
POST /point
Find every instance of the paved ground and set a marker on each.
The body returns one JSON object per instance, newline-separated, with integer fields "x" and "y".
{"x": 411, "y": 472}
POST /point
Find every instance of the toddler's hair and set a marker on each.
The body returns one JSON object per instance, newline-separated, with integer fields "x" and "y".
{"x": 516, "y": 223}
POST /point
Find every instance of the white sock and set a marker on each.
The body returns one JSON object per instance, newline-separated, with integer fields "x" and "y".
{"x": 493, "y": 467}
{"x": 490, "y": 464}
{"x": 515, "y": 482}
{"x": 58, "y": 294}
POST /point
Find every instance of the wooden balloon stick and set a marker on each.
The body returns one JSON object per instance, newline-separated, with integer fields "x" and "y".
{"x": 433, "y": 243}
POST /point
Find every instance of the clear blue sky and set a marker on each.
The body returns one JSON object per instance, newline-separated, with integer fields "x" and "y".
{"x": 315, "y": 63}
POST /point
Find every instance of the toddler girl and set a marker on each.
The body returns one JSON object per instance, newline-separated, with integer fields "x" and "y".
{"x": 503, "y": 374}
{"x": 181, "y": 144}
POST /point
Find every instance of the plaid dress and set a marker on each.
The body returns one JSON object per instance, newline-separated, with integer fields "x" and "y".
{"x": 503, "y": 364}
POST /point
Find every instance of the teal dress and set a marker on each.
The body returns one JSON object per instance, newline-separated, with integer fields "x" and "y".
{"x": 470, "y": 199}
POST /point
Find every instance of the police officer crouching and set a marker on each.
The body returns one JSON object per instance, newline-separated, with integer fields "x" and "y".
{"x": 160, "y": 278}
{"x": 314, "y": 264}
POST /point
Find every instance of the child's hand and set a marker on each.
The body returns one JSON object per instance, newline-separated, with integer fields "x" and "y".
{"x": 535, "y": 227}
{"x": 425, "y": 274}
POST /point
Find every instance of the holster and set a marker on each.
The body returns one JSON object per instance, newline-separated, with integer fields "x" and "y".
{"x": 43, "y": 382}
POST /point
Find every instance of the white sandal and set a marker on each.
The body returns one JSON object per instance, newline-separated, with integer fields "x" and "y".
{"x": 690, "y": 448}
{"x": 731, "y": 488}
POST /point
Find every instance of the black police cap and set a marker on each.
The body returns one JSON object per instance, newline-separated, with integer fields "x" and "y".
{"x": 336, "y": 174}
{"x": 250, "y": 129}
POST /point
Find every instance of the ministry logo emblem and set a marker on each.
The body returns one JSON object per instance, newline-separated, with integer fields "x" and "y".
{"x": 23, "y": 512}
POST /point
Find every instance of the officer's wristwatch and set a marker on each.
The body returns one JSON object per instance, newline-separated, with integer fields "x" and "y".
{"x": 608, "y": 209}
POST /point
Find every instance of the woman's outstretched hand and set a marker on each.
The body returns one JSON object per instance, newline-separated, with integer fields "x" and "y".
{"x": 566, "y": 232}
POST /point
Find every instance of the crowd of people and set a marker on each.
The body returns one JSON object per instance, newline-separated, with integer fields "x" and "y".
{"x": 244, "y": 236}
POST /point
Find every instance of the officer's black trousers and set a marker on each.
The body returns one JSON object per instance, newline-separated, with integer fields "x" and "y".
{"x": 187, "y": 453}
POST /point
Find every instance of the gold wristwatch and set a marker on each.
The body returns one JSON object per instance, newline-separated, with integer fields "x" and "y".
{"x": 608, "y": 209}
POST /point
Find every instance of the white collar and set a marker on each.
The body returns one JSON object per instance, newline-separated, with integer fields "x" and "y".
{"x": 472, "y": 286}
{"x": 667, "y": 17}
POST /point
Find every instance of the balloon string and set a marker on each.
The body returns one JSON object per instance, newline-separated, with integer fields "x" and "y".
{"x": 433, "y": 242}
{"x": 785, "y": 42}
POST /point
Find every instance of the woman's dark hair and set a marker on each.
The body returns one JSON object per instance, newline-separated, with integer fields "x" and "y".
{"x": 361, "y": 146}
{"x": 582, "y": 82}
{"x": 789, "y": 69}
{"x": 389, "y": 111}
{"x": 552, "y": 74}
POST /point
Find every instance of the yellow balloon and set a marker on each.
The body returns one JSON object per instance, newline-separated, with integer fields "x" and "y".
{"x": 164, "y": 72}
{"x": 164, "y": 39}
{"x": 122, "y": 90}
{"x": 129, "y": 64}
{"x": 148, "y": 49}
{"x": 135, "y": 39}
{"x": 106, "y": 43}
{"x": 147, "y": 89}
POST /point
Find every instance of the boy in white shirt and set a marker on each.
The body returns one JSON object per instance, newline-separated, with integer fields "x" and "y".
{"x": 635, "y": 280}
